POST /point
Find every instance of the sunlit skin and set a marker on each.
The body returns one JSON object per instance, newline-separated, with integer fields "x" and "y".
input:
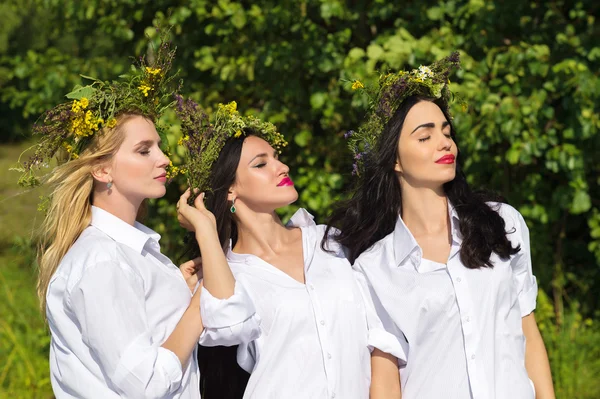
{"x": 137, "y": 171}
{"x": 425, "y": 149}
{"x": 261, "y": 178}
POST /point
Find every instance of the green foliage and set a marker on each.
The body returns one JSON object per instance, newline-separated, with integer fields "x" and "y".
{"x": 529, "y": 76}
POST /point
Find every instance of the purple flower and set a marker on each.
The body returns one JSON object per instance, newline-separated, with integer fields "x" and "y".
{"x": 354, "y": 169}
{"x": 348, "y": 134}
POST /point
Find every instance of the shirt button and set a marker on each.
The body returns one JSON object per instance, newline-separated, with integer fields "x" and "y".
{"x": 322, "y": 322}
{"x": 467, "y": 319}
{"x": 329, "y": 356}
{"x": 458, "y": 279}
{"x": 312, "y": 287}
{"x": 472, "y": 356}
{"x": 333, "y": 395}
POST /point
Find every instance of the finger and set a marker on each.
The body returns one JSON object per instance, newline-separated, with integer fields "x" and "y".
{"x": 199, "y": 201}
{"x": 184, "y": 197}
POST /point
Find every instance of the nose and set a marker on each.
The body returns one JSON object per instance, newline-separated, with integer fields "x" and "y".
{"x": 282, "y": 168}
{"x": 445, "y": 142}
{"x": 164, "y": 160}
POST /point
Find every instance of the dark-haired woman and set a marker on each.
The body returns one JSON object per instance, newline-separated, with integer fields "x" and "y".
{"x": 317, "y": 324}
{"x": 450, "y": 269}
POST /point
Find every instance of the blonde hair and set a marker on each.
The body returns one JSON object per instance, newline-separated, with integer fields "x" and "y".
{"x": 70, "y": 208}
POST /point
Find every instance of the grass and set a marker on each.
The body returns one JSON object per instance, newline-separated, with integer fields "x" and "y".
{"x": 24, "y": 339}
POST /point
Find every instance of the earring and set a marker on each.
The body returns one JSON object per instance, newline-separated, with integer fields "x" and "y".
{"x": 232, "y": 209}
{"x": 109, "y": 185}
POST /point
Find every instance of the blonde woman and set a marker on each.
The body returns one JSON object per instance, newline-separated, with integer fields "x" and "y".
{"x": 122, "y": 319}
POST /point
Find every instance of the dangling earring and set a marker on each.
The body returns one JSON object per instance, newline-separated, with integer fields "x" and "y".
{"x": 232, "y": 209}
{"x": 109, "y": 185}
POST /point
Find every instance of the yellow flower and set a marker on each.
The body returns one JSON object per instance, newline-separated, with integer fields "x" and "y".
{"x": 357, "y": 85}
{"x": 84, "y": 102}
{"x": 144, "y": 88}
{"x": 237, "y": 134}
{"x": 153, "y": 71}
{"x": 183, "y": 139}
{"x": 112, "y": 122}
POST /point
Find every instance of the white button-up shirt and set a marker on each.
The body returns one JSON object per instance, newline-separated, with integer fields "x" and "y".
{"x": 112, "y": 303}
{"x": 461, "y": 327}
{"x": 315, "y": 338}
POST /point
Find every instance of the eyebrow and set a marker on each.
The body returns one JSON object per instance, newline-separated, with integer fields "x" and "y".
{"x": 430, "y": 125}
{"x": 263, "y": 155}
{"x": 147, "y": 143}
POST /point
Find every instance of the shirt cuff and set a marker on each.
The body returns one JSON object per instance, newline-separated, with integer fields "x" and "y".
{"x": 528, "y": 298}
{"x": 220, "y": 313}
{"x": 388, "y": 343}
{"x": 143, "y": 362}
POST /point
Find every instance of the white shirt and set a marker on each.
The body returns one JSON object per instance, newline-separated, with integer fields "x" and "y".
{"x": 112, "y": 302}
{"x": 462, "y": 327}
{"x": 314, "y": 339}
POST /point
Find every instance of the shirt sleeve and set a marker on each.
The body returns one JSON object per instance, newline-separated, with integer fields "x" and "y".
{"x": 379, "y": 336}
{"x": 523, "y": 277}
{"x": 109, "y": 305}
{"x": 230, "y": 321}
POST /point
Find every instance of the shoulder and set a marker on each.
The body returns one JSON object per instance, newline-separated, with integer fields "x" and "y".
{"x": 379, "y": 251}
{"x": 512, "y": 217}
{"x": 91, "y": 251}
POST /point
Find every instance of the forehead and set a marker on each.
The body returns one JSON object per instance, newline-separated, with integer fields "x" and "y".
{"x": 423, "y": 112}
{"x": 138, "y": 129}
{"x": 255, "y": 145}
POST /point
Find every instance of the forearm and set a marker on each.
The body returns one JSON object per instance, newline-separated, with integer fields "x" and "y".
{"x": 184, "y": 338}
{"x": 217, "y": 276}
{"x": 385, "y": 378}
{"x": 536, "y": 360}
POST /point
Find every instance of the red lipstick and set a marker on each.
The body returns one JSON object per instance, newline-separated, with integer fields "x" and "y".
{"x": 286, "y": 181}
{"x": 446, "y": 159}
{"x": 162, "y": 178}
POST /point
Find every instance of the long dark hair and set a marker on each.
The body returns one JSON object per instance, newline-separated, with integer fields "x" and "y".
{"x": 373, "y": 208}
{"x": 220, "y": 375}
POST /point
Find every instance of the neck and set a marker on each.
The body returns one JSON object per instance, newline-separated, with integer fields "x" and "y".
{"x": 117, "y": 205}
{"x": 424, "y": 210}
{"x": 260, "y": 234}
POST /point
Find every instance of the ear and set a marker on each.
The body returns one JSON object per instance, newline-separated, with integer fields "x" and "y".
{"x": 398, "y": 166}
{"x": 101, "y": 173}
{"x": 231, "y": 194}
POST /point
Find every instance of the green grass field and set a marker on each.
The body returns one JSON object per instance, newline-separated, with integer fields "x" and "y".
{"x": 24, "y": 339}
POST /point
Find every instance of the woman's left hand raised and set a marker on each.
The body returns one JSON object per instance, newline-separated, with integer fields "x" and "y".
{"x": 195, "y": 218}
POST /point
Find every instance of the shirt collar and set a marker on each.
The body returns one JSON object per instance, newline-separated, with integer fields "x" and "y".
{"x": 134, "y": 236}
{"x": 301, "y": 219}
{"x": 405, "y": 243}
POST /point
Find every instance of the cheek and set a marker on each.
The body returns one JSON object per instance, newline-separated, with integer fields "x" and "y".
{"x": 413, "y": 157}
{"x": 132, "y": 168}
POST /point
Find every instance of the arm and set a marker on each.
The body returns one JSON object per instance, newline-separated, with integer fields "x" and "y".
{"x": 217, "y": 275}
{"x": 110, "y": 308}
{"x": 536, "y": 359}
{"x": 184, "y": 338}
{"x": 385, "y": 378}
{"x": 387, "y": 347}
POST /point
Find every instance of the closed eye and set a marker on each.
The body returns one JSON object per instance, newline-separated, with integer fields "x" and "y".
{"x": 424, "y": 139}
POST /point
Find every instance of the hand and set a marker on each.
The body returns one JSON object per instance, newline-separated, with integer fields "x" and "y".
{"x": 192, "y": 272}
{"x": 195, "y": 218}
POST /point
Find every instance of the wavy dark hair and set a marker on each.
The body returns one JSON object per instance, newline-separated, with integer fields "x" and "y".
{"x": 220, "y": 375}
{"x": 375, "y": 203}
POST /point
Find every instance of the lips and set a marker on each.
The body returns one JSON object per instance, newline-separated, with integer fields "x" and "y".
{"x": 446, "y": 159}
{"x": 286, "y": 181}
{"x": 161, "y": 178}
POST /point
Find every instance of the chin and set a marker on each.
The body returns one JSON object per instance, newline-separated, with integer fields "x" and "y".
{"x": 159, "y": 193}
